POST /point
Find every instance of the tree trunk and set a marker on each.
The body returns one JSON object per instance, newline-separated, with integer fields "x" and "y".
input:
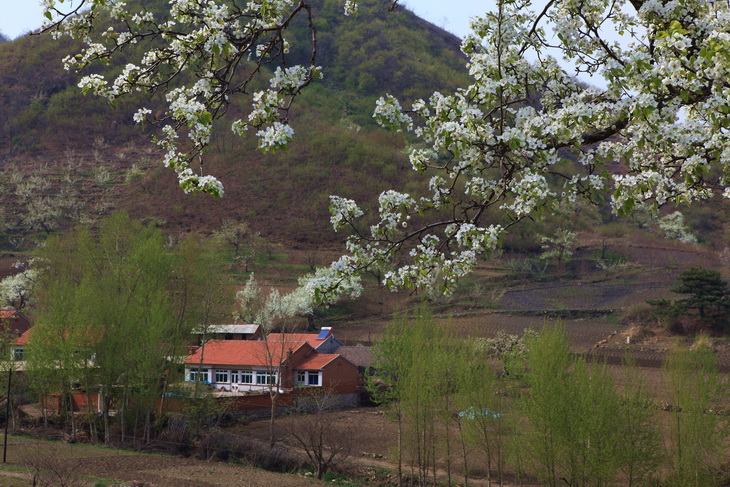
{"x": 92, "y": 423}
{"x": 272, "y": 422}
{"x": 105, "y": 413}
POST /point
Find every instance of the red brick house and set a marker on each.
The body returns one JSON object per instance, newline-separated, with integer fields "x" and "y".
{"x": 323, "y": 342}
{"x": 17, "y": 346}
{"x": 247, "y": 368}
{"x": 13, "y": 322}
{"x": 14, "y": 327}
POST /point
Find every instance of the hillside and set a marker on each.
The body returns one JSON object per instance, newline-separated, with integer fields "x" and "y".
{"x": 67, "y": 158}
{"x": 338, "y": 149}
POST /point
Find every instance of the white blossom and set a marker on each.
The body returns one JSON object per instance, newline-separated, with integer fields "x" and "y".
{"x": 521, "y": 137}
{"x": 276, "y": 136}
{"x": 343, "y": 211}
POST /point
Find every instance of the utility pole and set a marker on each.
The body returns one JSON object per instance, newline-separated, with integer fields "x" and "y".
{"x": 7, "y": 417}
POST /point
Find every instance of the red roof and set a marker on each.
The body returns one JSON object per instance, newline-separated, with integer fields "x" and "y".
{"x": 317, "y": 361}
{"x": 310, "y": 338}
{"x": 244, "y": 353}
{"x": 7, "y": 313}
{"x": 23, "y": 339}
{"x": 85, "y": 341}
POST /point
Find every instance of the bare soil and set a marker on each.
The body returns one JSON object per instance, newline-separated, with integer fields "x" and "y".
{"x": 152, "y": 470}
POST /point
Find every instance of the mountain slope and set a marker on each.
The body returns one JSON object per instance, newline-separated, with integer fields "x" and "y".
{"x": 338, "y": 149}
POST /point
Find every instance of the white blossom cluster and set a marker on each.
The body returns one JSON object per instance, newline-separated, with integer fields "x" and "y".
{"x": 350, "y": 7}
{"x": 343, "y": 211}
{"x": 293, "y": 78}
{"x": 503, "y": 140}
{"x": 389, "y": 112}
{"x": 209, "y": 38}
{"x": 521, "y": 137}
{"x": 16, "y": 290}
{"x": 319, "y": 289}
{"x": 673, "y": 226}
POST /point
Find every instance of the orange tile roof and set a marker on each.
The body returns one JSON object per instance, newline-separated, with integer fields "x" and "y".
{"x": 86, "y": 341}
{"x": 310, "y": 338}
{"x": 316, "y": 361}
{"x": 243, "y": 352}
{"x": 23, "y": 339}
{"x": 7, "y": 313}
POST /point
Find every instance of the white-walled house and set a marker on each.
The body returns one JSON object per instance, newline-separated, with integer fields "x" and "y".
{"x": 254, "y": 366}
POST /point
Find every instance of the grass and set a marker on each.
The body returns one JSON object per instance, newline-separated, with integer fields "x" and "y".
{"x": 76, "y": 450}
{"x": 8, "y": 481}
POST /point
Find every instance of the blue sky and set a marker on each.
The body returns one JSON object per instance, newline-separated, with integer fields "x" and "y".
{"x": 21, "y": 16}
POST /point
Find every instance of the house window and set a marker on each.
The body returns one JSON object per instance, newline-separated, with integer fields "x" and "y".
{"x": 229, "y": 336}
{"x": 246, "y": 377}
{"x": 264, "y": 378}
{"x": 234, "y": 377}
{"x": 308, "y": 378}
{"x": 221, "y": 376}
{"x": 18, "y": 353}
{"x": 199, "y": 375}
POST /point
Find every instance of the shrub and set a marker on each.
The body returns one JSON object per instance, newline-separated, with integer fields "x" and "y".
{"x": 641, "y": 314}
{"x": 49, "y": 467}
{"x": 228, "y": 447}
{"x": 175, "y": 437}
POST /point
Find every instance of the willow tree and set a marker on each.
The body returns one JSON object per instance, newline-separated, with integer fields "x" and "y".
{"x": 109, "y": 320}
{"x": 698, "y": 434}
{"x": 417, "y": 366}
{"x": 580, "y": 429}
{"x": 485, "y": 418}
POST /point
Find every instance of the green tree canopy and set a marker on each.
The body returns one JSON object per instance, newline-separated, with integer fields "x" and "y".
{"x": 117, "y": 307}
{"x": 708, "y": 292}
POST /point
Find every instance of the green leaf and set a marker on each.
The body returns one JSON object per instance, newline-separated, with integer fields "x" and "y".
{"x": 205, "y": 118}
{"x": 628, "y": 206}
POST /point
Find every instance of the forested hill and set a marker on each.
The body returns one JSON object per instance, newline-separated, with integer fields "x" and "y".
{"x": 47, "y": 126}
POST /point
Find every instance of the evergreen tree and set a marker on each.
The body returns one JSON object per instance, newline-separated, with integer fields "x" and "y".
{"x": 708, "y": 292}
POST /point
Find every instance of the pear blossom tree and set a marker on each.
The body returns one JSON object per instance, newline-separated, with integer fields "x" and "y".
{"x": 524, "y": 136}
{"x": 673, "y": 226}
{"x": 254, "y": 307}
{"x": 17, "y": 290}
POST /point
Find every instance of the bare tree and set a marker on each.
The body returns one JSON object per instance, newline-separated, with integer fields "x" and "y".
{"x": 326, "y": 442}
{"x": 49, "y": 468}
{"x": 278, "y": 372}
{"x": 245, "y": 242}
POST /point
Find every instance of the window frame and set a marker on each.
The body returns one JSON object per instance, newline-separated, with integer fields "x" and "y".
{"x": 309, "y": 378}
{"x": 246, "y": 374}
{"x": 195, "y": 374}
{"x": 222, "y": 376}
{"x": 264, "y": 378}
